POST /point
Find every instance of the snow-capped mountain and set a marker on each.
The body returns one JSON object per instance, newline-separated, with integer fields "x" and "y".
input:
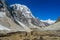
{"x": 26, "y": 16}
{"x": 24, "y": 9}
{"x": 19, "y": 17}
{"x": 49, "y": 21}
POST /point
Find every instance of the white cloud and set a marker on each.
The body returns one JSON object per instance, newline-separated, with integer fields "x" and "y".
{"x": 49, "y": 21}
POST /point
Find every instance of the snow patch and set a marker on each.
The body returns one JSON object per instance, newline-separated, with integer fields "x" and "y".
{"x": 2, "y": 14}
{"x": 49, "y": 21}
{"x": 4, "y": 28}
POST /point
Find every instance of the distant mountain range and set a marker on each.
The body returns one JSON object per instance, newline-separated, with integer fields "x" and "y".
{"x": 49, "y": 21}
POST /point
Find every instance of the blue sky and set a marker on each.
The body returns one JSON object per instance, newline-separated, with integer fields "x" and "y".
{"x": 43, "y": 9}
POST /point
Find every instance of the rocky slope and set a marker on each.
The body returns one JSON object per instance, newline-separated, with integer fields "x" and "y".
{"x": 53, "y": 27}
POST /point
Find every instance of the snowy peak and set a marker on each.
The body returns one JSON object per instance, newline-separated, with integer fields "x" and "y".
{"x": 49, "y": 21}
{"x": 19, "y": 6}
{"x": 22, "y": 8}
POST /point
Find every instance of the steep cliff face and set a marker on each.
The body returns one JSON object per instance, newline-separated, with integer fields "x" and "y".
{"x": 24, "y": 15}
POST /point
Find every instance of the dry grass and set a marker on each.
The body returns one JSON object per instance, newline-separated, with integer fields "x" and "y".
{"x": 35, "y": 35}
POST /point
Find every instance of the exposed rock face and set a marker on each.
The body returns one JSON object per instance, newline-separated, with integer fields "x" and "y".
{"x": 37, "y": 22}
{"x": 24, "y": 15}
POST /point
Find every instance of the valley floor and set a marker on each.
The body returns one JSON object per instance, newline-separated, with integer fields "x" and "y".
{"x": 34, "y": 35}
